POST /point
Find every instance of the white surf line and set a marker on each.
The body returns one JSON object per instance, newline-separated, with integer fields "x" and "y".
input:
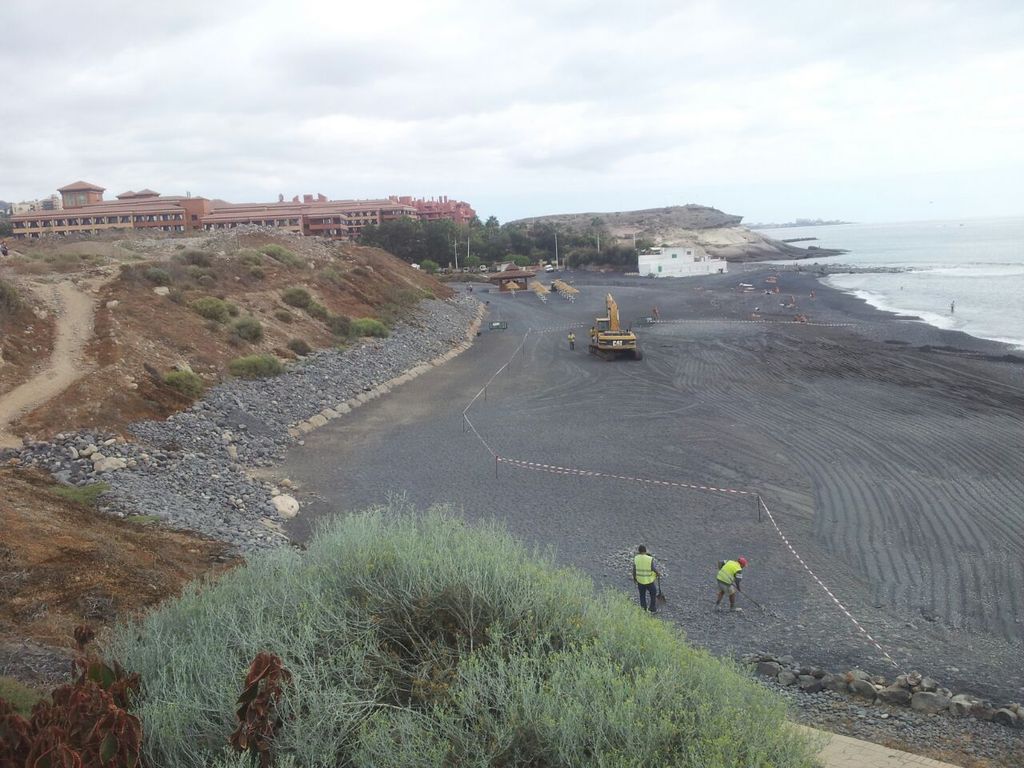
{"x": 577, "y": 472}
{"x": 821, "y": 584}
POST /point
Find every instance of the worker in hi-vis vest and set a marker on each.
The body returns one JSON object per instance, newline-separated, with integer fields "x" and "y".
{"x": 730, "y": 573}
{"x": 645, "y": 574}
{"x": 572, "y": 340}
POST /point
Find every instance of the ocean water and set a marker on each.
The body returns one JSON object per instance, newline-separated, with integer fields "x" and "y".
{"x": 966, "y": 275}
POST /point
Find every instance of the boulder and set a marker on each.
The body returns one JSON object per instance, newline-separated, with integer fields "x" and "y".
{"x": 929, "y": 684}
{"x": 914, "y": 679}
{"x": 161, "y": 290}
{"x": 810, "y": 684}
{"x": 895, "y": 694}
{"x": 285, "y": 505}
{"x": 317, "y": 420}
{"x": 857, "y": 674}
{"x": 786, "y": 677}
{"x": 88, "y": 451}
{"x": 835, "y": 683}
{"x": 769, "y": 668}
{"x": 97, "y": 457}
{"x": 111, "y": 464}
{"x": 929, "y": 702}
{"x": 1008, "y": 717}
{"x": 962, "y": 704}
{"x": 863, "y": 689}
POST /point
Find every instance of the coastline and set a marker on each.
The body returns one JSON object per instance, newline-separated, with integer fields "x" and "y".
{"x": 824, "y": 272}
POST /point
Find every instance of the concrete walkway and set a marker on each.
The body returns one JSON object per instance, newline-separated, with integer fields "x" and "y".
{"x": 846, "y": 752}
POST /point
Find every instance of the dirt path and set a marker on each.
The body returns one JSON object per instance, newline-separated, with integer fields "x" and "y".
{"x": 75, "y": 310}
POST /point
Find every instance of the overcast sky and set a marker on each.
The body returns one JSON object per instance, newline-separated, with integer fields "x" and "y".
{"x": 884, "y": 111}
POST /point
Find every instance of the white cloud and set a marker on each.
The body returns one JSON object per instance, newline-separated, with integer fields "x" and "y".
{"x": 774, "y": 110}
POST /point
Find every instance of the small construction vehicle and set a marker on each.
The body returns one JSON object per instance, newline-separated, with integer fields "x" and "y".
{"x": 608, "y": 340}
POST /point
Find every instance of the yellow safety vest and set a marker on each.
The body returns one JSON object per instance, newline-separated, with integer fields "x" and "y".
{"x": 727, "y": 575}
{"x": 644, "y": 569}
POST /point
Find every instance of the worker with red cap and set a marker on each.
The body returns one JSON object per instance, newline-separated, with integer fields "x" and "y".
{"x": 730, "y": 573}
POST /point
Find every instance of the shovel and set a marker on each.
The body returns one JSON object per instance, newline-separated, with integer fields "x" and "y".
{"x": 660, "y": 598}
{"x": 763, "y": 609}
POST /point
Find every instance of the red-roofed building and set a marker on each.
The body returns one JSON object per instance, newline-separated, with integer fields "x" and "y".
{"x": 86, "y": 211}
{"x": 339, "y": 219}
{"x": 442, "y": 208}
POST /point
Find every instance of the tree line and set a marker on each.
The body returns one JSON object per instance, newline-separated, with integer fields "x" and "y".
{"x": 443, "y": 243}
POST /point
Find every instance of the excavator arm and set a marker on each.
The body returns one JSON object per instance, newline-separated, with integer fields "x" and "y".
{"x": 613, "y": 314}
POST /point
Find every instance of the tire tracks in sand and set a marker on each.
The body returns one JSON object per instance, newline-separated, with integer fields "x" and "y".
{"x": 75, "y": 314}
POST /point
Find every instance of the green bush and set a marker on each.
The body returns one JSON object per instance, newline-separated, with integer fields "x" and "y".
{"x": 233, "y": 309}
{"x": 82, "y": 494}
{"x": 299, "y": 347}
{"x": 186, "y": 382}
{"x": 284, "y": 316}
{"x": 10, "y": 301}
{"x": 339, "y": 325}
{"x": 158, "y": 276}
{"x": 429, "y": 266}
{"x": 281, "y": 254}
{"x": 197, "y": 273}
{"x": 255, "y": 367}
{"x": 19, "y": 695}
{"x": 446, "y": 645}
{"x": 212, "y": 309}
{"x": 250, "y": 257}
{"x": 258, "y": 272}
{"x": 318, "y": 310}
{"x": 196, "y": 258}
{"x": 368, "y": 326}
{"x": 297, "y": 297}
{"x": 249, "y": 328}
{"x": 332, "y": 275}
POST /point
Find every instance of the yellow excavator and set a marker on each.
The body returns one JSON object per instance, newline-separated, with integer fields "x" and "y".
{"x": 608, "y": 340}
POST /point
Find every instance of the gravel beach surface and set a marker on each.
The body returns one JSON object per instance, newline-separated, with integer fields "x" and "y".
{"x": 887, "y": 450}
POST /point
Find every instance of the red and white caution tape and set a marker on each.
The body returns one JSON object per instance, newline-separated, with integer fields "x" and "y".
{"x": 577, "y": 472}
{"x": 843, "y": 608}
{"x": 557, "y": 470}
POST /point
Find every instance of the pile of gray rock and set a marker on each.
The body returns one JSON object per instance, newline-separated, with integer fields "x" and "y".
{"x": 919, "y": 692}
{"x": 190, "y": 470}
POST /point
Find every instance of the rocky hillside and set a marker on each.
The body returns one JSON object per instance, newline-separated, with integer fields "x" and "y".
{"x": 720, "y": 234}
{"x": 192, "y": 305}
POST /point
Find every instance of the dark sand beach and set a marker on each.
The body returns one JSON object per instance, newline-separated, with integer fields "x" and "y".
{"x": 888, "y": 451}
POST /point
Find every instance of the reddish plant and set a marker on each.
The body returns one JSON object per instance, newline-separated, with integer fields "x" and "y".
{"x": 84, "y": 725}
{"x": 258, "y": 719}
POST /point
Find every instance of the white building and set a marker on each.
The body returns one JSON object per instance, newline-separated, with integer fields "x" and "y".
{"x": 679, "y": 261}
{"x": 51, "y": 203}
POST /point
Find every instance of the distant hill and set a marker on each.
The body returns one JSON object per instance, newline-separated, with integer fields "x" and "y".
{"x": 719, "y": 234}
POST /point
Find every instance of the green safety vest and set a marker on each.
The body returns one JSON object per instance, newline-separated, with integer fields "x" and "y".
{"x": 644, "y": 569}
{"x": 727, "y": 575}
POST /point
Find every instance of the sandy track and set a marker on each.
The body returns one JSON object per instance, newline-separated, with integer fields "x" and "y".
{"x": 75, "y": 310}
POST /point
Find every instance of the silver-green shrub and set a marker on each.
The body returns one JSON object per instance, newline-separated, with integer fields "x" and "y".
{"x": 419, "y": 640}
